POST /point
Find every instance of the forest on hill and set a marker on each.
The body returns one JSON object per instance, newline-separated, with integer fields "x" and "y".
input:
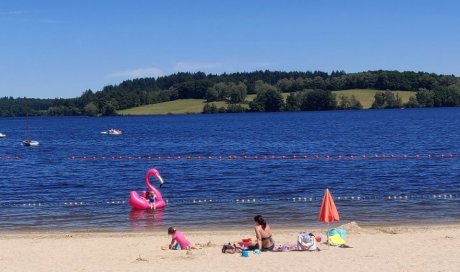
{"x": 309, "y": 90}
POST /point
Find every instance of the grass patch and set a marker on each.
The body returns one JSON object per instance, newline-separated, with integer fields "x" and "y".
{"x": 180, "y": 106}
{"x": 184, "y": 106}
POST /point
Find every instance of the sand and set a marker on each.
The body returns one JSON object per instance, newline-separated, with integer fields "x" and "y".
{"x": 398, "y": 248}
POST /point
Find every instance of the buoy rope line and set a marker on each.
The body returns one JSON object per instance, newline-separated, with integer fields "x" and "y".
{"x": 10, "y": 158}
{"x": 249, "y": 157}
{"x": 249, "y": 200}
{"x": 264, "y": 157}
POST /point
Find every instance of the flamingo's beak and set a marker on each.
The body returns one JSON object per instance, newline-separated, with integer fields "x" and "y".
{"x": 161, "y": 180}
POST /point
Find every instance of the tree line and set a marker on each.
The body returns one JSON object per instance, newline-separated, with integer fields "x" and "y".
{"x": 310, "y": 90}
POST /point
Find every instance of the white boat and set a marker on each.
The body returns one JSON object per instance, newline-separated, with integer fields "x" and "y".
{"x": 30, "y": 143}
{"x": 112, "y": 131}
{"x": 2, "y": 135}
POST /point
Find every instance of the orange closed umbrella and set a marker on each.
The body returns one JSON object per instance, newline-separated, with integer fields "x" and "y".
{"x": 328, "y": 211}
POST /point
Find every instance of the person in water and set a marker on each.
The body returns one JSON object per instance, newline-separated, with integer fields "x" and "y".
{"x": 178, "y": 240}
{"x": 264, "y": 235}
{"x": 151, "y": 196}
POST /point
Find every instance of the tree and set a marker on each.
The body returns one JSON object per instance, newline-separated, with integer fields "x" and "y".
{"x": 355, "y": 104}
{"x": 268, "y": 99}
{"x": 318, "y": 83}
{"x": 424, "y": 98}
{"x": 234, "y": 108}
{"x": 108, "y": 109}
{"x": 315, "y": 100}
{"x": 344, "y": 102}
{"x": 412, "y": 103}
{"x": 284, "y": 85}
{"x": 293, "y": 101}
{"x": 390, "y": 99}
{"x": 212, "y": 95}
{"x": 237, "y": 92}
{"x": 209, "y": 108}
{"x": 386, "y": 100}
{"x": 445, "y": 97}
{"x": 91, "y": 109}
{"x": 379, "y": 101}
{"x": 222, "y": 90}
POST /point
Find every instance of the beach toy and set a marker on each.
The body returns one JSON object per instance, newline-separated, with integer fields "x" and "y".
{"x": 245, "y": 253}
{"x": 256, "y": 251}
{"x": 246, "y": 242}
{"x": 140, "y": 203}
{"x": 318, "y": 239}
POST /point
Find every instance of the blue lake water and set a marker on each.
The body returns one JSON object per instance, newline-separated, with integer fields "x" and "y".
{"x": 53, "y": 187}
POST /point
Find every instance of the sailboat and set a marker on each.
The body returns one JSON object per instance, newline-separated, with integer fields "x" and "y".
{"x": 28, "y": 141}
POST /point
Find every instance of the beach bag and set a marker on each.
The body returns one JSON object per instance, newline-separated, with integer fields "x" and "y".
{"x": 336, "y": 237}
{"x": 340, "y": 232}
{"x": 336, "y": 240}
{"x": 231, "y": 249}
{"x": 306, "y": 241}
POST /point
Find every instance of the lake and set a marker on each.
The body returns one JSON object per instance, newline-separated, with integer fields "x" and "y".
{"x": 382, "y": 167}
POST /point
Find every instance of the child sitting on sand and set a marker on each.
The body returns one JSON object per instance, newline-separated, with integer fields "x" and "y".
{"x": 179, "y": 241}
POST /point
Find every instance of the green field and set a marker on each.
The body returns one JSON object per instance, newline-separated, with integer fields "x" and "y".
{"x": 180, "y": 106}
{"x": 184, "y": 106}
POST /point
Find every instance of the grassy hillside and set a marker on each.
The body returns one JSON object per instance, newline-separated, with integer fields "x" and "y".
{"x": 181, "y": 106}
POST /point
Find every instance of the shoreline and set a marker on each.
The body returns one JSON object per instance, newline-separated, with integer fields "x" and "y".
{"x": 350, "y": 227}
{"x": 383, "y": 248}
{"x": 316, "y": 226}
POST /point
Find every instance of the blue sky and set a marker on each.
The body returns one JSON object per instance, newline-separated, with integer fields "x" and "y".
{"x": 54, "y": 49}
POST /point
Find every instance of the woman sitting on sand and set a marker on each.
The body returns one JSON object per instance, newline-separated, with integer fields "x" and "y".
{"x": 264, "y": 235}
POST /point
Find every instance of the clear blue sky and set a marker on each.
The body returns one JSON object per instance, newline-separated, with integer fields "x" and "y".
{"x": 61, "y": 48}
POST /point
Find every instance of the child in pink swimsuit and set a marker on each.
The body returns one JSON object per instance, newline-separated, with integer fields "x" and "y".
{"x": 178, "y": 241}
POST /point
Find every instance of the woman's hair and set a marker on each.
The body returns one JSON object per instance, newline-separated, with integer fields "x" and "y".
{"x": 171, "y": 230}
{"x": 261, "y": 221}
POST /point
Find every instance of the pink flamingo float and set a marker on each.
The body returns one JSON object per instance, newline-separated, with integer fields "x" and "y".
{"x": 139, "y": 202}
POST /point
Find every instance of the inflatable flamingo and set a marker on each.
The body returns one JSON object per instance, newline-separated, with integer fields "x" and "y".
{"x": 139, "y": 202}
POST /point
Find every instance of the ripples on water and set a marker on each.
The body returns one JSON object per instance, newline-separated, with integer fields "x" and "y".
{"x": 47, "y": 176}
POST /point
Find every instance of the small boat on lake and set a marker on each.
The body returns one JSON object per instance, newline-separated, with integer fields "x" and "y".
{"x": 113, "y": 131}
{"x": 30, "y": 143}
{"x": 2, "y": 135}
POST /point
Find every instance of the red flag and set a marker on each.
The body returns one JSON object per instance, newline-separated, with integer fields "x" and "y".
{"x": 328, "y": 211}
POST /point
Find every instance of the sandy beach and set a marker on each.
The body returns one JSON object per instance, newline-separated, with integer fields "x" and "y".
{"x": 389, "y": 248}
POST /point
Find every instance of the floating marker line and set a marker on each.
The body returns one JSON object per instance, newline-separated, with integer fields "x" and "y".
{"x": 264, "y": 157}
{"x": 242, "y": 201}
{"x": 10, "y": 158}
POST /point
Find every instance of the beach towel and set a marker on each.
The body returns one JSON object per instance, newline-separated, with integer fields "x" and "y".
{"x": 285, "y": 247}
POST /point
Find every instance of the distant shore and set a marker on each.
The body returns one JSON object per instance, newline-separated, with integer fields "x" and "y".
{"x": 377, "y": 248}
